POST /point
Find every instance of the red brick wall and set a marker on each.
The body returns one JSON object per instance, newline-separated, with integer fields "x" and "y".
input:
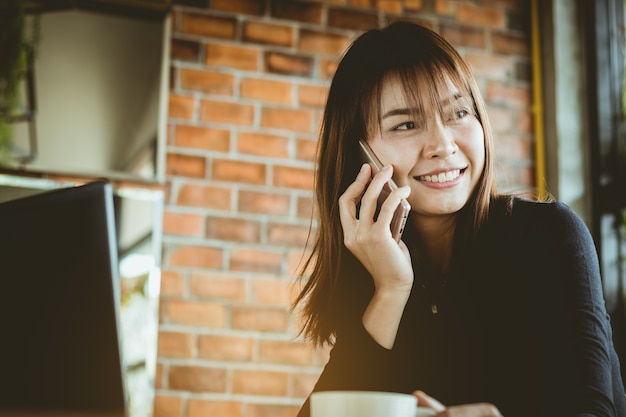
{"x": 248, "y": 84}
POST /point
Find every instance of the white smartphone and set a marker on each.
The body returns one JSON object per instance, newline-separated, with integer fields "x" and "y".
{"x": 401, "y": 214}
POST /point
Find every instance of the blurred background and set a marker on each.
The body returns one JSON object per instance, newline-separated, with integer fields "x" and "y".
{"x": 205, "y": 114}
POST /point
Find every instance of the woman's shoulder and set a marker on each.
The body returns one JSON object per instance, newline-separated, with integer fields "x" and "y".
{"x": 535, "y": 215}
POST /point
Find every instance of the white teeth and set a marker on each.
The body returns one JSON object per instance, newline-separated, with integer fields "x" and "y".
{"x": 443, "y": 177}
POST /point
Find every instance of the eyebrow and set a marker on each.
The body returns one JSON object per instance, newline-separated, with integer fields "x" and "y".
{"x": 406, "y": 111}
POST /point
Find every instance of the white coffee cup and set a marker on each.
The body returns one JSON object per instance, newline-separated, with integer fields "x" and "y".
{"x": 365, "y": 404}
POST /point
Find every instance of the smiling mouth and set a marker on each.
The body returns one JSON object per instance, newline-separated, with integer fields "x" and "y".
{"x": 442, "y": 177}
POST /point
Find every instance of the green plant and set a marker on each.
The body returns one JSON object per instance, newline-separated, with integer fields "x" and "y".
{"x": 15, "y": 41}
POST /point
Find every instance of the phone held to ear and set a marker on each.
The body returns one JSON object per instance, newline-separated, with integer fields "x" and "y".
{"x": 401, "y": 214}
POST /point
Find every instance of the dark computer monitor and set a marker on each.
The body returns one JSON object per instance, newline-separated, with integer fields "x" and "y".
{"x": 60, "y": 348}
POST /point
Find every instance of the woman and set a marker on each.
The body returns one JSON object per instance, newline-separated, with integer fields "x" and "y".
{"x": 490, "y": 304}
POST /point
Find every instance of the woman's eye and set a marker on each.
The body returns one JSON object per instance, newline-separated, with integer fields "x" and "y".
{"x": 459, "y": 114}
{"x": 405, "y": 126}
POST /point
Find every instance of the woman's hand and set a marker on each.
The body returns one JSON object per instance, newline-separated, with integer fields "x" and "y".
{"x": 468, "y": 410}
{"x": 371, "y": 242}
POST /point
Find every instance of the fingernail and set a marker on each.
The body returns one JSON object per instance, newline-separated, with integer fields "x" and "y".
{"x": 363, "y": 167}
{"x": 386, "y": 167}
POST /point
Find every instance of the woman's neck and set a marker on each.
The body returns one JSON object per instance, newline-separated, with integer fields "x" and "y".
{"x": 433, "y": 242}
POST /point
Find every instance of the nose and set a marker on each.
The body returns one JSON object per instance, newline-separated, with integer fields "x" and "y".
{"x": 440, "y": 142}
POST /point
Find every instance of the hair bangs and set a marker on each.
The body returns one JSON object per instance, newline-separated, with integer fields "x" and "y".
{"x": 427, "y": 86}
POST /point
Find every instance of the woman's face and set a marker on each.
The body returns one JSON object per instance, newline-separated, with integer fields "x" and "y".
{"x": 441, "y": 158}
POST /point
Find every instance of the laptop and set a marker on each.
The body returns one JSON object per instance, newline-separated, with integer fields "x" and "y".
{"x": 59, "y": 309}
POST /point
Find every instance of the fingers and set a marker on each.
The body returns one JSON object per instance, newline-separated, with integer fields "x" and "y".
{"x": 467, "y": 410}
{"x": 424, "y": 400}
{"x": 364, "y": 195}
{"x": 352, "y": 196}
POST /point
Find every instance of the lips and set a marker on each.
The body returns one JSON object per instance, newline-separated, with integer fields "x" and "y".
{"x": 442, "y": 177}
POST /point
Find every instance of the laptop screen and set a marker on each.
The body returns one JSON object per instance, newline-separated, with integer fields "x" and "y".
{"x": 59, "y": 306}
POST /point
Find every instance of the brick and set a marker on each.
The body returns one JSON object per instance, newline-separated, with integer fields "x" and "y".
{"x": 273, "y": 291}
{"x": 506, "y": 44}
{"x": 210, "y": 82}
{"x": 322, "y": 42}
{"x": 306, "y": 207}
{"x": 260, "y": 382}
{"x": 298, "y": 120}
{"x": 263, "y": 145}
{"x": 239, "y": 171}
{"x": 181, "y": 107}
{"x": 515, "y": 96}
{"x": 232, "y": 57}
{"x": 197, "y": 137}
{"x": 159, "y": 378}
{"x": 524, "y": 122}
{"x": 293, "y": 177}
{"x": 268, "y": 34}
{"x": 206, "y": 196}
{"x": 413, "y": 5}
{"x": 219, "y": 286}
{"x": 249, "y": 7}
{"x": 297, "y": 11}
{"x": 204, "y": 408}
{"x": 264, "y": 203}
{"x": 511, "y": 4}
{"x": 185, "y": 165}
{"x": 197, "y": 313}
{"x": 464, "y": 36}
{"x": 225, "y": 348}
{"x": 271, "y": 91}
{"x": 328, "y": 68}
{"x": 306, "y": 149}
{"x": 390, "y": 6}
{"x": 226, "y": 112}
{"x": 255, "y": 260}
{"x": 352, "y": 19}
{"x": 290, "y": 235}
{"x": 183, "y": 224}
{"x": 197, "y": 379}
{"x": 312, "y": 95}
{"x": 272, "y": 410}
{"x": 296, "y": 260}
{"x": 233, "y": 230}
{"x": 171, "y": 127}
{"x": 445, "y": 7}
{"x": 262, "y": 319}
{"x": 175, "y": 344}
{"x": 499, "y": 68}
{"x": 289, "y": 64}
{"x": 303, "y": 384}
{"x": 196, "y": 256}
{"x": 167, "y": 406}
{"x": 286, "y": 352}
{"x": 512, "y": 146}
{"x": 481, "y": 16}
{"x": 185, "y": 50}
{"x": 502, "y": 120}
{"x": 527, "y": 176}
{"x": 172, "y": 283}
{"x": 209, "y": 26}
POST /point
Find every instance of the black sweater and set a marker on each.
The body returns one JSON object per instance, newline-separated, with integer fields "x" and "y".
{"x": 521, "y": 323}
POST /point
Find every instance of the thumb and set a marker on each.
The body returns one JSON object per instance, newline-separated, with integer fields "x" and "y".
{"x": 424, "y": 400}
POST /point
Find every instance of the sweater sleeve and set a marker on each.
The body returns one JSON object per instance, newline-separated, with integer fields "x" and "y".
{"x": 579, "y": 370}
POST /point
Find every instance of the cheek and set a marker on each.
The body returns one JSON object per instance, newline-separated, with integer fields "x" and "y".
{"x": 475, "y": 146}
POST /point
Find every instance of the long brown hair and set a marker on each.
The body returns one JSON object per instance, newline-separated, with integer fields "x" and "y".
{"x": 421, "y": 59}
